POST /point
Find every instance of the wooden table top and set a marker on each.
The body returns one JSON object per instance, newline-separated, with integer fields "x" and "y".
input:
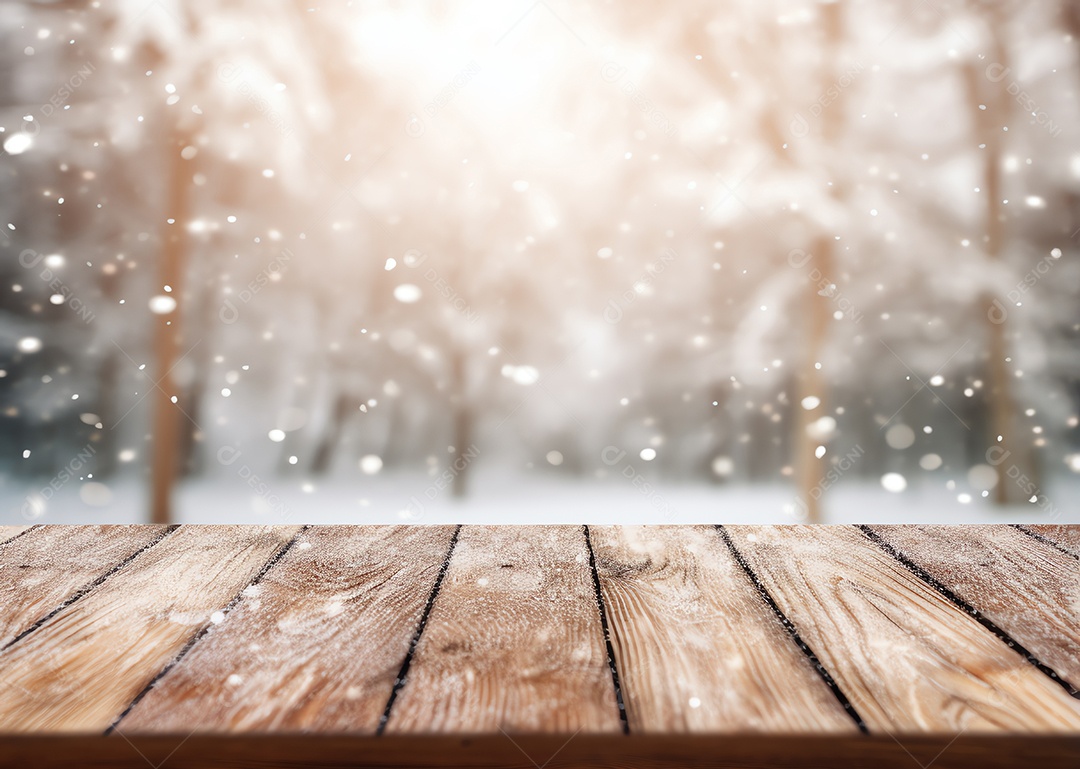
{"x": 499, "y": 645}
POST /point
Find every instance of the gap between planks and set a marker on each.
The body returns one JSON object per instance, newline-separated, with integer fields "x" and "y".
{"x": 315, "y": 646}
{"x": 84, "y": 665}
{"x": 1040, "y": 536}
{"x": 403, "y": 672}
{"x": 793, "y": 632}
{"x": 612, "y": 664}
{"x": 82, "y": 590}
{"x": 908, "y": 560}
{"x": 11, "y": 533}
{"x": 270, "y": 563}
{"x": 514, "y": 642}
{"x": 852, "y": 606}
{"x": 697, "y": 649}
{"x": 1066, "y": 536}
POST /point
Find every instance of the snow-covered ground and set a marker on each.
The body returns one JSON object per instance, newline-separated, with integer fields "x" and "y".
{"x": 509, "y": 499}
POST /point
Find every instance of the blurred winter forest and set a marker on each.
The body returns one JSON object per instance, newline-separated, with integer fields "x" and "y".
{"x": 373, "y": 261}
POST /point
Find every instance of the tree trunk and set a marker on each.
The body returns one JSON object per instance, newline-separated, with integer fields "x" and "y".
{"x": 989, "y": 121}
{"x": 189, "y": 455}
{"x": 167, "y": 332}
{"x": 324, "y": 454}
{"x": 462, "y": 441}
{"x": 809, "y": 469}
{"x": 109, "y": 376}
{"x": 462, "y": 427}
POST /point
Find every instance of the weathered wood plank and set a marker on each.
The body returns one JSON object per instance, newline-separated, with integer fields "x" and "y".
{"x": 1067, "y": 536}
{"x": 81, "y": 668}
{"x": 10, "y": 532}
{"x": 316, "y": 645}
{"x": 906, "y": 657}
{"x": 697, "y": 648}
{"x": 52, "y": 564}
{"x": 1028, "y": 589}
{"x": 514, "y": 640}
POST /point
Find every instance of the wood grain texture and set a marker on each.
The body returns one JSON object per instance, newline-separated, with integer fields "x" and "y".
{"x": 697, "y": 648}
{"x": 906, "y": 657}
{"x": 514, "y": 640}
{"x": 10, "y": 532}
{"x": 585, "y": 751}
{"x": 1067, "y": 536}
{"x": 42, "y": 569}
{"x": 80, "y": 669}
{"x": 1028, "y": 589}
{"x": 316, "y": 645}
